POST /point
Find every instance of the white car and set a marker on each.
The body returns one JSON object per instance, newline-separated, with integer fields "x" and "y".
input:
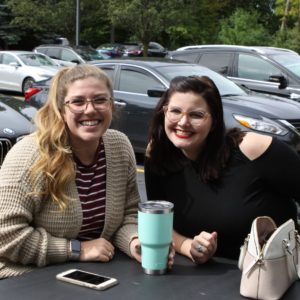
{"x": 19, "y": 69}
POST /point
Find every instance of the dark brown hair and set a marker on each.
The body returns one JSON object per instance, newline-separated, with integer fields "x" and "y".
{"x": 164, "y": 157}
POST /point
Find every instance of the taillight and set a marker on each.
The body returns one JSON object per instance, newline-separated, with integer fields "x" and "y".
{"x": 30, "y": 92}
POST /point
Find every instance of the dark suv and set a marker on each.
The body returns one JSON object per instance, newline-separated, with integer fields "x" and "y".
{"x": 67, "y": 55}
{"x": 262, "y": 69}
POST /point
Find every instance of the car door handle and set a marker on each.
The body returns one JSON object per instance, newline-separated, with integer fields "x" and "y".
{"x": 120, "y": 103}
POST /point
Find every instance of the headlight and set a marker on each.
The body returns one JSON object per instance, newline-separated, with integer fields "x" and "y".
{"x": 264, "y": 125}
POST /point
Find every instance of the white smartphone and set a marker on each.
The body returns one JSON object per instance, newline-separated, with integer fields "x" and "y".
{"x": 87, "y": 279}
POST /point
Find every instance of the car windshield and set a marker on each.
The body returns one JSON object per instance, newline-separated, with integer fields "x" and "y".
{"x": 89, "y": 54}
{"x": 225, "y": 86}
{"x": 36, "y": 60}
{"x": 289, "y": 61}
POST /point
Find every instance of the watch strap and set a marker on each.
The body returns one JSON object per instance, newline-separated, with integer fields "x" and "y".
{"x": 75, "y": 249}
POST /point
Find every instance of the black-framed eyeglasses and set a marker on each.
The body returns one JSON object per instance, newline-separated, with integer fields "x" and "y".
{"x": 79, "y": 105}
{"x": 175, "y": 114}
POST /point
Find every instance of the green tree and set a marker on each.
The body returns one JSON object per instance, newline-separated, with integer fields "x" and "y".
{"x": 9, "y": 34}
{"x": 288, "y": 35}
{"x": 44, "y": 16}
{"x": 243, "y": 28}
{"x": 146, "y": 20}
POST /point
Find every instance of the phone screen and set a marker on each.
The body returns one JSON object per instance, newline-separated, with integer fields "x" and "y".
{"x": 87, "y": 277}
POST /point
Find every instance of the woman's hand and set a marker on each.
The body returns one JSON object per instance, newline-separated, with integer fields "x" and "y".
{"x": 203, "y": 247}
{"x": 135, "y": 250}
{"x": 97, "y": 250}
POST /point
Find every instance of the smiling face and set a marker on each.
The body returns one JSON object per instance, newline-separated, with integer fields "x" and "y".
{"x": 185, "y": 134}
{"x": 87, "y": 128}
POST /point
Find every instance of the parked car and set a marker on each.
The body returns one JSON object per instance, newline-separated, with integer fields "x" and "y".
{"x": 68, "y": 56}
{"x": 263, "y": 69}
{"x": 111, "y": 50}
{"x": 190, "y": 47}
{"x": 133, "y": 49}
{"x": 37, "y": 94}
{"x": 136, "y": 49}
{"x": 15, "y": 122}
{"x": 19, "y": 69}
{"x": 138, "y": 84}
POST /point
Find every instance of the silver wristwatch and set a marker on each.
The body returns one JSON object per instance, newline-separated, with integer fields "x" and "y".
{"x": 75, "y": 249}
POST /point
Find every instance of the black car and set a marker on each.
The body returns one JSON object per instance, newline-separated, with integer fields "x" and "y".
{"x": 15, "y": 122}
{"x": 138, "y": 83}
{"x": 263, "y": 69}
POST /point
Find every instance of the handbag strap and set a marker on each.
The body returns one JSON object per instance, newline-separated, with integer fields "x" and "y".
{"x": 293, "y": 267}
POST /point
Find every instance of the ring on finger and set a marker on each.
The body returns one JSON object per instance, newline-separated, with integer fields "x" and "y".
{"x": 110, "y": 254}
{"x": 200, "y": 248}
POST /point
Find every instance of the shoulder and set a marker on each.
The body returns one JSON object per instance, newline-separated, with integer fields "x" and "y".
{"x": 113, "y": 136}
{"x": 254, "y": 145}
{"x": 117, "y": 143}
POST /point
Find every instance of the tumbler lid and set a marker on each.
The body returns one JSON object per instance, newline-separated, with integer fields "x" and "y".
{"x": 156, "y": 207}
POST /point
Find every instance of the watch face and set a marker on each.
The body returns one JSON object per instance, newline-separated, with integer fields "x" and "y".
{"x": 75, "y": 246}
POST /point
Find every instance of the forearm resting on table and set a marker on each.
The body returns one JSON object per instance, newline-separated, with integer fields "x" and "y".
{"x": 182, "y": 244}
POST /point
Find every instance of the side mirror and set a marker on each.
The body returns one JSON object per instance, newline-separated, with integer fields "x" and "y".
{"x": 222, "y": 70}
{"x": 14, "y": 64}
{"x": 156, "y": 93}
{"x": 279, "y": 79}
{"x": 76, "y": 61}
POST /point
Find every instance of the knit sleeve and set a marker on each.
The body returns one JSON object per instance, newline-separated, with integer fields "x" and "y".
{"x": 21, "y": 241}
{"x": 279, "y": 167}
{"x": 122, "y": 190}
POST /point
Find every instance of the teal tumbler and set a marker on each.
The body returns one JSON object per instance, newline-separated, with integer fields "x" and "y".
{"x": 155, "y": 226}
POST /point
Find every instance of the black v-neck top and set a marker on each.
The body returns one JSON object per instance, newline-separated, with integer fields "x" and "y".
{"x": 267, "y": 185}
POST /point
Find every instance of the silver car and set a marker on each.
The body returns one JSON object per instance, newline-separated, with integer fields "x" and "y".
{"x": 19, "y": 69}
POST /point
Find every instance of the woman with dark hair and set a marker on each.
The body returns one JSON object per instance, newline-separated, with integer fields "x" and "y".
{"x": 218, "y": 180}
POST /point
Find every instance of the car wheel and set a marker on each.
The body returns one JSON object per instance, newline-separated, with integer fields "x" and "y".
{"x": 27, "y": 83}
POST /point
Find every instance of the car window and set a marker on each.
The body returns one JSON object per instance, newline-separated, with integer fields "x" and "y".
{"x": 290, "y": 61}
{"x": 36, "y": 60}
{"x": 188, "y": 57}
{"x": 216, "y": 61}
{"x": 52, "y": 52}
{"x": 42, "y": 50}
{"x": 154, "y": 46}
{"x": 68, "y": 55}
{"x": 134, "y": 81}
{"x": 252, "y": 67}
{"x": 7, "y": 59}
{"x": 225, "y": 86}
{"x": 109, "y": 70}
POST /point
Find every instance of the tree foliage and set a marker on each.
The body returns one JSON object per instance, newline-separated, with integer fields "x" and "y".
{"x": 243, "y": 28}
{"x": 174, "y": 23}
{"x": 9, "y": 34}
{"x": 144, "y": 19}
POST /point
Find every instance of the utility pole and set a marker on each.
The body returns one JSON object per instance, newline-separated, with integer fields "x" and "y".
{"x": 285, "y": 16}
{"x": 77, "y": 22}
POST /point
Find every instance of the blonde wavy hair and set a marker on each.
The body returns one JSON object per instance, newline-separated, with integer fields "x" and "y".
{"x": 55, "y": 162}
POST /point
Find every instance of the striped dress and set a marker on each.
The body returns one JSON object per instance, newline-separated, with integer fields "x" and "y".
{"x": 91, "y": 186}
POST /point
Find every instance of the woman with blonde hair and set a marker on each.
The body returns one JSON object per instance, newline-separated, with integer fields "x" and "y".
{"x": 68, "y": 191}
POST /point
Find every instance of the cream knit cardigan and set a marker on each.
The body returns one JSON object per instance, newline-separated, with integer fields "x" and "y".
{"x": 34, "y": 232}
